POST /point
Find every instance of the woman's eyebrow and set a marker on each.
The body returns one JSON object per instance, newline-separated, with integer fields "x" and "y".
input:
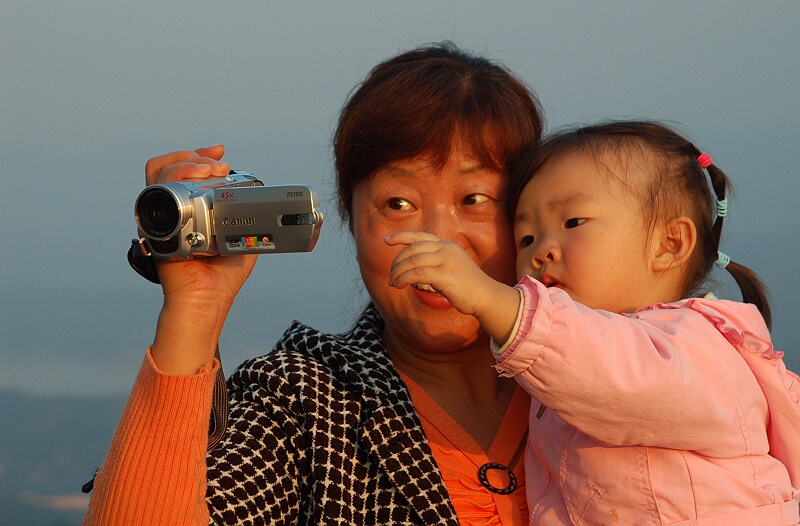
{"x": 471, "y": 168}
{"x": 393, "y": 168}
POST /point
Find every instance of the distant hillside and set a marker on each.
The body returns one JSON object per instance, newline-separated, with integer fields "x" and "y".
{"x": 48, "y": 448}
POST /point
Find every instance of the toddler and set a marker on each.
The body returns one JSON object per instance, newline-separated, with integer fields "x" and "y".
{"x": 650, "y": 405}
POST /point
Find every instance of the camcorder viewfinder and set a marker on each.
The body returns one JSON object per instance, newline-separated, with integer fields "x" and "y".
{"x": 227, "y": 216}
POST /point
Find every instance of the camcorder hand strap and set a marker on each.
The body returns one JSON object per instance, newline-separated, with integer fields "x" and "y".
{"x": 219, "y": 408}
{"x": 139, "y": 259}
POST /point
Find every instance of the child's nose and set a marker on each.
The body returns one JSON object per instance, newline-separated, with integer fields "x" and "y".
{"x": 546, "y": 252}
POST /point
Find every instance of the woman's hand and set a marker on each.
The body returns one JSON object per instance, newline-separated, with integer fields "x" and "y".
{"x": 447, "y": 267}
{"x": 199, "y": 292}
{"x": 220, "y": 277}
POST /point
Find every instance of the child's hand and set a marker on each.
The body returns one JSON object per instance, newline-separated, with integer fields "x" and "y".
{"x": 445, "y": 266}
{"x": 452, "y": 273}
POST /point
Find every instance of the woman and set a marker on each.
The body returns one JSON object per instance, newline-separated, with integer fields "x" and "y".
{"x": 401, "y": 420}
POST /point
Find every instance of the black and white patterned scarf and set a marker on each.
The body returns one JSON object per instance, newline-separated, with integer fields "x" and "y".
{"x": 322, "y": 430}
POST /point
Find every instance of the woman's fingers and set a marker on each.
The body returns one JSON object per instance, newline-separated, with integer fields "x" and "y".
{"x": 212, "y": 152}
{"x": 186, "y": 164}
{"x": 194, "y": 169}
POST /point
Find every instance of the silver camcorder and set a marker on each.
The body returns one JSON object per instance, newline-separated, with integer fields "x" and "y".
{"x": 227, "y": 216}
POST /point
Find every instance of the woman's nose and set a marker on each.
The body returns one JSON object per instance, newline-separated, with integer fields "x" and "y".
{"x": 443, "y": 222}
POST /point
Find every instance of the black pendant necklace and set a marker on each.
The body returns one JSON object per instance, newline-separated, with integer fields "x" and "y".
{"x": 512, "y": 480}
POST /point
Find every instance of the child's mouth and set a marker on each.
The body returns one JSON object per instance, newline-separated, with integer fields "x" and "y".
{"x": 549, "y": 282}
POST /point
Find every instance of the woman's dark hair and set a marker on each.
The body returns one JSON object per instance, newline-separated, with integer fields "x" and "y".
{"x": 677, "y": 186}
{"x": 421, "y": 101}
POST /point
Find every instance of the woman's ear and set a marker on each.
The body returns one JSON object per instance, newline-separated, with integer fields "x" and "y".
{"x": 673, "y": 243}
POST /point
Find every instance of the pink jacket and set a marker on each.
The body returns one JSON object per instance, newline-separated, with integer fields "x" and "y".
{"x": 677, "y": 414}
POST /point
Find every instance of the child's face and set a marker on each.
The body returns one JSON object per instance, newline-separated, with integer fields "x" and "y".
{"x": 579, "y": 228}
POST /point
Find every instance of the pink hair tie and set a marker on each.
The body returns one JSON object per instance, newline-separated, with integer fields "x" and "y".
{"x": 704, "y": 160}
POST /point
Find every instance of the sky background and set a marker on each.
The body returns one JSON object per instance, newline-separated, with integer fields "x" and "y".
{"x": 89, "y": 91}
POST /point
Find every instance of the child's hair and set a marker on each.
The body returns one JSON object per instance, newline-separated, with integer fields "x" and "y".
{"x": 678, "y": 186}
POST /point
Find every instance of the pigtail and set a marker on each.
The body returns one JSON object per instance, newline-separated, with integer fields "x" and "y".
{"x": 721, "y": 184}
{"x": 752, "y": 288}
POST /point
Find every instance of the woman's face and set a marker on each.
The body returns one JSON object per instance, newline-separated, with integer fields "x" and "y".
{"x": 461, "y": 203}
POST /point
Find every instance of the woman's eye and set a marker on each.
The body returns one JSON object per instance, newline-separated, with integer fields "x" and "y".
{"x": 474, "y": 199}
{"x": 398, "y": 203}
{"x": 526, "y": 241}
{"x": 575, "y": 221}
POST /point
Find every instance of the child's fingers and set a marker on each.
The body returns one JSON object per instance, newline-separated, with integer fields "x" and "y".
{"x": 420, "y": 267}
{"x": 413, "y": 275}
{"x": 421, "y": 261}
{"x": 409, "y": 237}
{"x": 410, "y": 254}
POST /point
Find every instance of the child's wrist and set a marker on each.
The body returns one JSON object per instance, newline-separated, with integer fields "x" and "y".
{"x": 500, "y": 312}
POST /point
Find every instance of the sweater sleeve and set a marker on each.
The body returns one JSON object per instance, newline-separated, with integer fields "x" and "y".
{"x": 155, "y": 471}
{"x": 661, "y": 377}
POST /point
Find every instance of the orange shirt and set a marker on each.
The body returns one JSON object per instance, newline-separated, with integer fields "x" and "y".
{"x": 460, "y": 457}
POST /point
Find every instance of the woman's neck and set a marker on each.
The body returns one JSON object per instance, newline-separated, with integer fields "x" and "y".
{"x": 463, "y": 382}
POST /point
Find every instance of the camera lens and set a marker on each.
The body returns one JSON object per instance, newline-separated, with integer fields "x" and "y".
{"x": 157, "y": 213}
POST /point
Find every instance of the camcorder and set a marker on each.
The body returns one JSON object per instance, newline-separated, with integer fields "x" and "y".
{"x": 227, "y": 216}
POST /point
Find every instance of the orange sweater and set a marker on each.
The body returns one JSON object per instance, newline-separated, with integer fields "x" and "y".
{"x": 161, "y": 437}
{"x": 459, "y": 457}
{"x": 155, "y": 471}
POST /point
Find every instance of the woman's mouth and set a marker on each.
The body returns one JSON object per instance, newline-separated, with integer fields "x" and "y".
{"x": 429, "y": 297}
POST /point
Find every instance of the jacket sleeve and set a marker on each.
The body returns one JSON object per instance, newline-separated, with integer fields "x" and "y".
{"x": 658, "y": 377}
{"x": 155, "y": 471}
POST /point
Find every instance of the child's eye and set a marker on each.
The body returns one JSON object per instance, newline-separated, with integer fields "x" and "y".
{"x": 575, "y": 221}
{"x": 526, "y": 241}
{"x": 398, "y": 203}
{"x": 474, "y": 199}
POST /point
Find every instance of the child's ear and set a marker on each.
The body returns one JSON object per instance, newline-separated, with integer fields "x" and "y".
{"x": 673, "y": 243}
